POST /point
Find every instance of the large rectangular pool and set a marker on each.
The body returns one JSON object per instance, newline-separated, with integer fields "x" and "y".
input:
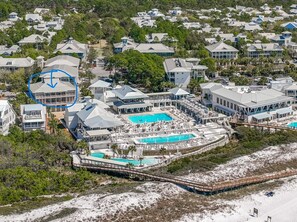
{"x": 167, "y": 139}
{"x": 150, "y": 118}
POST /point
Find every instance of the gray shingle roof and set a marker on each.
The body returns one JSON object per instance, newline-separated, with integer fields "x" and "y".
{"x": 221, "y": 47}
{"x": 127, "y": 92}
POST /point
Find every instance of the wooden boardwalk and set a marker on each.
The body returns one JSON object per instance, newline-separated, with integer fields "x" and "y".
{"x": 256, "y": 125}
{"x": 203, "y": 188}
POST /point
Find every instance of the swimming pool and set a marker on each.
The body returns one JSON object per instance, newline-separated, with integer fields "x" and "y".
{"x": 167, "y": 139}
{"x": 150, "y": 118}
{"x": 292, "y": 125}
{"x": 147, "y": 161}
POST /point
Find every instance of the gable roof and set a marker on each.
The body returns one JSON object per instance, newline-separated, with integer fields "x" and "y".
{"x": 63, "y": 60}
{"x": 42, "y": 87}
{"x": 94, "y": 116}
{"x": 127, "y": 92}
{"x": 153, "y": 48}
{"x": 178, "y": 91}
{"x": 221, "y": 47}
{"x": 32, "y": 39}
{"x": 72, "y": 46}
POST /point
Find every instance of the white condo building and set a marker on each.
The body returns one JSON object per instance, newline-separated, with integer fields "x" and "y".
{"x": 7, "y": 116}
{"x": 246, "y": 102}
{"x": 180, "y": 71}
{"x": 33, "y": 117}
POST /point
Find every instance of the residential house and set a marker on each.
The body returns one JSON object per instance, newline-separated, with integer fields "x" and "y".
{"x": 252, "y": 27}
{"x": 125, "y": 44}
{"x": 8, "y": 51}
{"x": 155, "y": 13}
{"x": 181, "y": 71}
{"x": 36, "y": 40}
{"x": 144, "y": 21}
{"x": 292, "y": 47}
{"x": 157, "y": 37}
{"x": 33, "y": 18}
{"x": 70, "y": 70}
{"x": 33, "y": 117}
{"x": 256, "y": 50}
{"x": 12, "y": 64}
{"x": 7, "y": 117}
{"x": 192, "y": 25}
{"x": 63, "y": 60}
{"x": 6, "y": 25}
{"x": 71, "y": 46}
{"x": 221, "y": 50}
{"x": 155, "y": 48}
{"x": 283, "y": 39}
{"x": 176, "y": 11}
{"x": 289, "y": 25}
{"x": 151, "y": 48}
{"x": 41, "y": 11}
{"x": 63, "y": 94}
{"x": 13, "y": 17}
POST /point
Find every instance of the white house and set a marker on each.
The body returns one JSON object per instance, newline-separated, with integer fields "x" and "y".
{"x": 180, "y": 71}
{"x": 34, "y": 39}
{"x": 13, "y": 16}
{"x": 41, "y": 11}
{"x": 256, "y": 50}
{"x": 12, "y": 64}
{"x": 7, "y": 116}
{"x": 221, "y": 50}
{"x": 8, "y": 51}
{"x": 33, "y": 18}
{"x": 33, "y": 117}
{"x": 63, "y": 60}
{"x": 71, "y": 46}
{"x": 252, "y": 26}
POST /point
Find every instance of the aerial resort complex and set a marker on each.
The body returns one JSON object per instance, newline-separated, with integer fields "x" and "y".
{"x": 148, "y": 111}
{"x": 141, "y": 128}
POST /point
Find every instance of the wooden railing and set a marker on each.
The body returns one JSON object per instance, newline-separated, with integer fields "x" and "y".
{"x": 199, "y": 187}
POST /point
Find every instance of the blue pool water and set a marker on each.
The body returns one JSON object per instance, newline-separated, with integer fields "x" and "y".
{"x": 98, "y": 155}
{"x": 293, "y": 125}
{"x": 147, "y": 161}
{"x": 167, "y": 139}
{"x": 150, "y": 118}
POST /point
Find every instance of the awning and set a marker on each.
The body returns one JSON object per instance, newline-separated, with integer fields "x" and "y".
{"x": 261, "y": 116}
{"x": 284, "y": 111}
{"x": 98, "y": 132}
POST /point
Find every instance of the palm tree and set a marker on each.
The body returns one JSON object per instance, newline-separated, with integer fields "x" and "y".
{"x": 53, "y": 124}
{"x": 82, "y": 145}
{"x": 114, "y": 147}
{"x": 162, "y": 151}
{"x": 131, "y": 149}
{"x": 130, "y": 165}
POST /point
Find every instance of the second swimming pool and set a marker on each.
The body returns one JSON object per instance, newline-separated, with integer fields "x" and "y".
{"x": 167, "y": 139}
